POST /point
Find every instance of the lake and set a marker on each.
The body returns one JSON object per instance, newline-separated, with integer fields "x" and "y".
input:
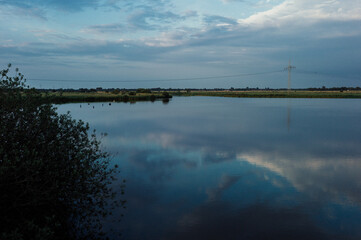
{"x": 234, "y": 168}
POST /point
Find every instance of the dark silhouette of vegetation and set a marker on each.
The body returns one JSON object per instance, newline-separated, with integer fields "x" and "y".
{"x": 275, "y": 93}
{"x": 55, "y": 181}
{"x": 152, "y": 98}
{"x": 73, "y": 97}
{"x": 166, "y": 95}
{"x": 125, "y": 98}
{"x": 181, "y": 91}
{"x": 142, "y": 90}
{"x": 116, "y": 91}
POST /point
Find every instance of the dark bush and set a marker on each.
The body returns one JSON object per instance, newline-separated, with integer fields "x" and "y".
{"x": 54, "y": 178}
{"x": 166, "y": 95}
{"x": 142, "y": 90}
{"x": 116, "y": 91}
{"x": 152, "y": 98}
{"x": 125, "y": 98}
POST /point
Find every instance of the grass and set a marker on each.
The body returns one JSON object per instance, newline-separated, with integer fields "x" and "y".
{"x": 102, "y": 96}
{"x": 274, "y": 94}
{"x": 74, "y": 97}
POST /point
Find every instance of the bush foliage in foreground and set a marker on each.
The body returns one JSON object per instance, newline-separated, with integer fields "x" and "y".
{"x": 54, "y": 178}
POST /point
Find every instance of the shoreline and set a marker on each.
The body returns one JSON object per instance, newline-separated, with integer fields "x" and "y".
{"x": 274, "y": 94}
{"x": 80, "y": 97}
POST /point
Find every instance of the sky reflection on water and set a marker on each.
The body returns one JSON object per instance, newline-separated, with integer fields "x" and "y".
{"x": 221, "y": 168}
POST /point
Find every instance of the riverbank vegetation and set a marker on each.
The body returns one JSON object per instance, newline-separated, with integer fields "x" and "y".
{"x": 274, "y": 93}
{"x": 133, "y": 95}
{"x": 55, "y": 181}
{"x": 103, "y": 96}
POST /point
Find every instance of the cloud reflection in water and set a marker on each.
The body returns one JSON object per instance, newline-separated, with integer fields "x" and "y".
{"x": 215, "y": 168}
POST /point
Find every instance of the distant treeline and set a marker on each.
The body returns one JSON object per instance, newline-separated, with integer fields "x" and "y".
{"x": 149, "y": 90}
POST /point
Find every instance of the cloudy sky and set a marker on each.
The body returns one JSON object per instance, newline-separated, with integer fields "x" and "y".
{"x": 224, "y": 43}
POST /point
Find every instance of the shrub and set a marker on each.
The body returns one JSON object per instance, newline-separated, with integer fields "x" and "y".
{"x": 142, "y": 90}
{"x": 125, "y": 98}
{"x": 54, "y": 178}
{"x": 166, "y": 95}
{"x": 116, "y": 91}
{"x": 152, "y": 97}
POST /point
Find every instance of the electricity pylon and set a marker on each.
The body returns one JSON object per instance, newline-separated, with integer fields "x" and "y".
{"x": 289, "y": 68}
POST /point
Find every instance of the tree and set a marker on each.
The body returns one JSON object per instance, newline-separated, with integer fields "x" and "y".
{"x": 166, "y": 95}
{"x": 55, "y": 181}
{"x": 142, "y": 90}
{"x": 116, "y": 91}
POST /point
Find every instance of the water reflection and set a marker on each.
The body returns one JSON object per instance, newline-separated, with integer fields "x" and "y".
{"x": 218, "y": 168}
{"x": 259, "y": 221}
{"x": 289, "y": 115}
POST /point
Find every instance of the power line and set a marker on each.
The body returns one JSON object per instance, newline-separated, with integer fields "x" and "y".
{"x": 330, "y": 75}
{"x": 153, "y": 80}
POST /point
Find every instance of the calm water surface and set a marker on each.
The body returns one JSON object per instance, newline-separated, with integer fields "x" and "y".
{"x": 227, "y": 168}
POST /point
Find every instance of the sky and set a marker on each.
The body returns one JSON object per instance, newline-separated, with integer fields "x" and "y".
{"x": 182, "y": 43}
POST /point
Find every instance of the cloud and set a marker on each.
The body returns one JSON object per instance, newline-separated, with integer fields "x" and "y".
{"x": 64, "y": 5}
{"x": 227, "y": 1}
{"x": 225, "y": 183}
{"x": 144, "y": 18}
{"x": 127, "y": 50}
{"x": 318, "y": 177}
{"x": 172, "y": 39}
{"x": 317, "y": 156}
{"x": 106, "y": 28}
{"x": 325, "y": 166}
{"x": 190, "y": 13}
{"x": 149, "y": 18}
{"x": 218, "y": 20}
{"x": 293, "y": 13}
{"x": 320, "y": 34}
{"x": 22, "y": 9}
{"x": 132, "y": 5}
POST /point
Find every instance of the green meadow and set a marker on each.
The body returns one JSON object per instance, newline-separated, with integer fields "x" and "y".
{"x": 102, "y": 96}
{"x": 274, "y": 94}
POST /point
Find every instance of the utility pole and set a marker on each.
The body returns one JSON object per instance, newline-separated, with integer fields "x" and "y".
{"x": 289, "y": 68}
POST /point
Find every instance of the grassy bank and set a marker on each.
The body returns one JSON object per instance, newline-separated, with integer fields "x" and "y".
{"x": 273, "y": 94}
{"x": 77, "y": 97}
{"x": 101, "y": 96}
